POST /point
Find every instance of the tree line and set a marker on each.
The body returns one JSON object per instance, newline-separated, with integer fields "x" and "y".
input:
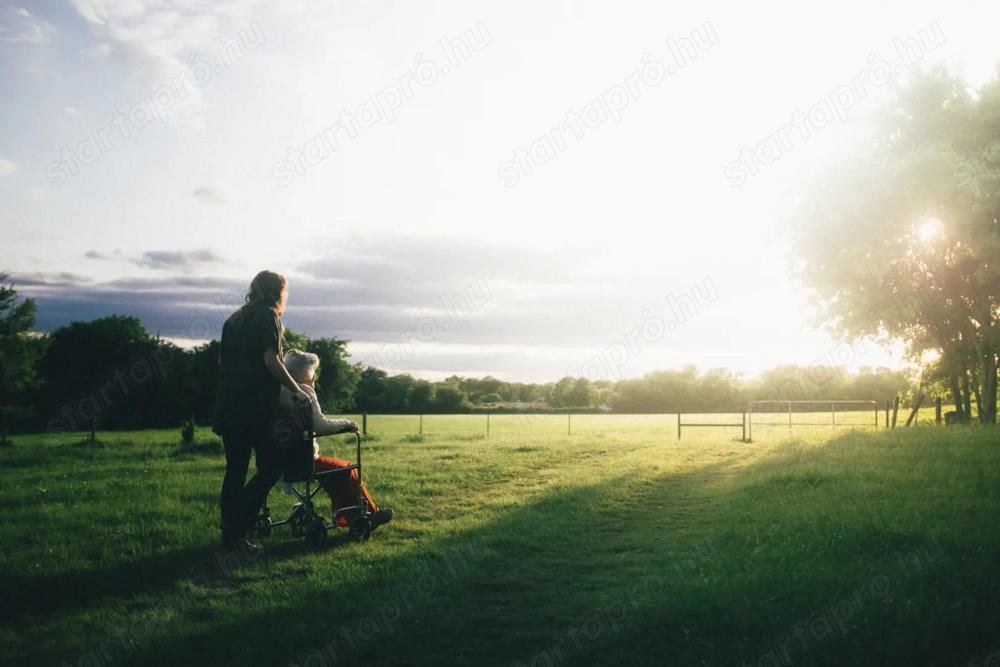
{"x": 115, "y": 372}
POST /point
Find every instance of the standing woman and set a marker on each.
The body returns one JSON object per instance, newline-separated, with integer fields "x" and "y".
{"x": 246, "y": 405}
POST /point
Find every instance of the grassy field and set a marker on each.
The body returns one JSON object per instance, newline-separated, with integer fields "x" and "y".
{"x": 617, "y": 545}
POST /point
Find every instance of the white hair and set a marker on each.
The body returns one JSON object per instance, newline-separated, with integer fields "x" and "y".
{"x": 301, "y": 365}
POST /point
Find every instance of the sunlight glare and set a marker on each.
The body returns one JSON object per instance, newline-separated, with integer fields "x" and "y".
{"x": 930, "y": 229}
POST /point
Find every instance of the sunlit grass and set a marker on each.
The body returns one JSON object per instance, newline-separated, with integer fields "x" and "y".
{"x": 517, "y": 538}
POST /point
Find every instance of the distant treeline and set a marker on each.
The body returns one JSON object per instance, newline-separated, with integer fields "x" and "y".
{"x": 113, "y": 370}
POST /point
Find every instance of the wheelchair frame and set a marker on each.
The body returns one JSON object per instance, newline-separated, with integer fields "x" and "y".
{"x": 305, "y": 521}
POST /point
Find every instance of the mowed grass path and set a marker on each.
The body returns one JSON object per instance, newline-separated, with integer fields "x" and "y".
{"x": 617, "y": 545}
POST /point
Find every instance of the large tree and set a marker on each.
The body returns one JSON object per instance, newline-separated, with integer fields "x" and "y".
{"x": 18, "y": 353}
{"x": 369, "y": 394}
{"x": 110, "y": 370}
{"x": 903, "y": 241}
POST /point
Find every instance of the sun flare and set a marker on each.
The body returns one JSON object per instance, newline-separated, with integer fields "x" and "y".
{"x": 930, "y": 229}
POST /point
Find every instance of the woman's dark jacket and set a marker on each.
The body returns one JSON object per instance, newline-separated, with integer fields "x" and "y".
{"x": 247, "y": 398}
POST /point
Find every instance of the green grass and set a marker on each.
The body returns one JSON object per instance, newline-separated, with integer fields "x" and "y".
{"x": 617, "y": 545}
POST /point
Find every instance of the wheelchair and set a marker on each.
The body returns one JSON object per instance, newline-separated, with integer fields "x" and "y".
{"x": 295, "y": 443}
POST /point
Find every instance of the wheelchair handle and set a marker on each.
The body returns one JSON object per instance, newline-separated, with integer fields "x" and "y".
{"x": 357, "y": 461}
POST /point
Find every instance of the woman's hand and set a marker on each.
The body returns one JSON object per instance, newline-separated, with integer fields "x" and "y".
{"x": 277, "y": 369}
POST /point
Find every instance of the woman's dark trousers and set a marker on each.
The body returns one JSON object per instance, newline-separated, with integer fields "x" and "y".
{"x": 241, "y": 501}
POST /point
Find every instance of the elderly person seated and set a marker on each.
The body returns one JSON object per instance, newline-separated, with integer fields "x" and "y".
{"x": 342, "y": 489}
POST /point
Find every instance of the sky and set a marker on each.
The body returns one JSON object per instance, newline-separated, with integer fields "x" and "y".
{"x": 522, "y": 189}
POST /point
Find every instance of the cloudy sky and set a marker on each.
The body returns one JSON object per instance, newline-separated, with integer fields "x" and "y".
{"x": 522, "y": 188}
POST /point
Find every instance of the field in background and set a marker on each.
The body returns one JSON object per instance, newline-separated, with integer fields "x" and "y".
{"x": 770, "y": 425}
{"x": 616, "y": 545}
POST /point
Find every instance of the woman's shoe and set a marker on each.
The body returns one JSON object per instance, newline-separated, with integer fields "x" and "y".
{"x": 244, "y": 545}
{"x": 381, "y": 517}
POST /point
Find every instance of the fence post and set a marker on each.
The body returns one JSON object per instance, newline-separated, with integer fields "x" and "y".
{"x": 744, "y": 426}
{"x": 421, "y": 423}
{"x": 887, "y": 405}
{"x": 569, "y": 423}
{"x": 487, "y": 424}
{"x": 895, "y": 410}
{"x": 678, "y": 425}
{"x": 833, "y": 414}
{"x": 364, "y": 423}
{"x": 789, "y": 416}
{"x": 937, "y": 410}
{"x": 876, "y": 415}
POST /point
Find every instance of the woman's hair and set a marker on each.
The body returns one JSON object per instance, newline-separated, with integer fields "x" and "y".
{"x": 267, "y": 290}
{"x": 301, "y": 365}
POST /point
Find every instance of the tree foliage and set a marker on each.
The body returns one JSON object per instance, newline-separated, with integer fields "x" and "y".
{"x": 112, "y": 371}
{"x": 337, "y": 378}
{"x": 18, "y": 355}
{"x": 903, "y": 243}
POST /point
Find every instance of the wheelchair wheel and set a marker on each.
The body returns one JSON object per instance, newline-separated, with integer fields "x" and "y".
{"x": 316, "y": 533}
{"x": 262, "y": 526}
{"x": 300, "y": 520}
{"x": 361, "y": 528}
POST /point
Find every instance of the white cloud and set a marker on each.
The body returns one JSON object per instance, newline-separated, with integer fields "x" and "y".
{"x": 99, "y": 50}
{"x": 50, "y": 279}
{"x": 71, "y": 111}
{"x": 210, "y": 195}
{"x": 156, "y": 41}
{"x": 177, "y": 259}
{"x": 18, "y": 26}
{"x": 39, "y": 71}
{"x": 7, "y": 167}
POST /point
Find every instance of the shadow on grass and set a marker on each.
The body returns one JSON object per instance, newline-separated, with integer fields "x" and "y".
{"x": 144, "y": 576}
{"x": 724, "y": 564}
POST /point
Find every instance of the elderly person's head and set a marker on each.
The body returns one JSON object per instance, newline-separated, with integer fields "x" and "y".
{"x": 302, "y": 366}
